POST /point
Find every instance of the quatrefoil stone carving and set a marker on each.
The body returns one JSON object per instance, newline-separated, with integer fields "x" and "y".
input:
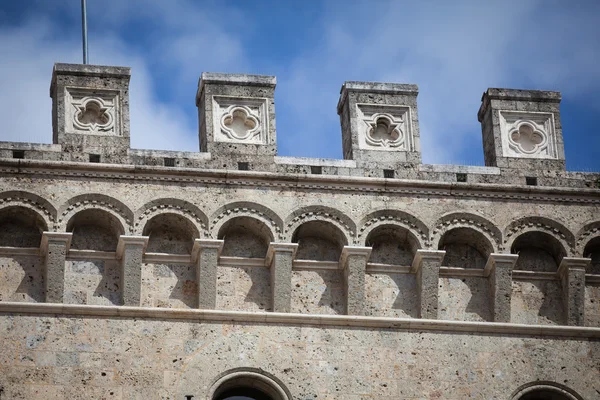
{"x": 528, "y": 134}
{"x": 239, "y": 123}
{"x": 527, "y": 138}
{"x": 384, "y": 131}
{"x": 93, "y": 114}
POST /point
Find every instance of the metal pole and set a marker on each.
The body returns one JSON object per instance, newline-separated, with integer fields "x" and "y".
{"x": 84, "y": 31}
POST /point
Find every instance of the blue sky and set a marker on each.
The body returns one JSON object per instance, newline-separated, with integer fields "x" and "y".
{"x": 452, "y": 50}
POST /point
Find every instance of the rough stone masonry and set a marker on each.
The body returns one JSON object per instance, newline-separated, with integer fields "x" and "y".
{"x": 232, "y": 271}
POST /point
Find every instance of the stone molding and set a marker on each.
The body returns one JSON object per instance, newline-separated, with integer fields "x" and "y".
{"x": 95, "y": 201}
{"x": 131, "y": 241}
{"x": 246, "y": 209}
{"x": 586, "y": 234}
{"x": 430, "y": 255}
{"x": 546, "y": 386}
{"x": 467, "y": 220}
{"x": 320, "y": 213}
{"x": 572, "y": 263}
{"x": 407, "y": 187}
{"x": 200, "y": 244}
{"x": 65, "y": 237}
{"x": 348, "y": 251}
{"x": 481, "y": 328}
{"x": 280, "y": 247}
{"x": 393, "y": 217}
{"x": 539, "y": 224}
{"x": 254, "y": 378}
{"x": 32, "y": 201}
{"x": 180, "y": 207}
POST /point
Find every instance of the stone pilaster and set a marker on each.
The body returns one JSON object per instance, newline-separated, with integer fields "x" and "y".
{"x": 54, "y": 248}
{"x": 353, "y": 262}
{"x": 571, "y": 273}
{"x": 426, "y": 266}
{"x": 206, "y": 254}
{"x": 498, "y": 270}
{"x": 280, "y": 258}
{"x": 130, "y": 251}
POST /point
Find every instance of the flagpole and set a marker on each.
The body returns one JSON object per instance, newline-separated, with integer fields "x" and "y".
{"x": 84, "y": 31}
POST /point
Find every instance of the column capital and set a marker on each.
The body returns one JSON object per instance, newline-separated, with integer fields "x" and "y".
{"x": 125, "y": 240}
{"x": 426, "y": 255}
{"x": 65, "y": 237}
{"x": 276, "y": 247}
{"x": 573, "y": 263}
{"x": 353, "y": 251}
{"x": 494, "y": 259}
{"x": 200, "y": 244}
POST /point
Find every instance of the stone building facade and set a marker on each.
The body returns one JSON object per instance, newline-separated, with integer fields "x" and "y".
{"x": 143, "y": 274}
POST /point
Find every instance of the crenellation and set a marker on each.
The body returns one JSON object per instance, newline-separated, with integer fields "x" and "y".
{"x": 170, "y": 274}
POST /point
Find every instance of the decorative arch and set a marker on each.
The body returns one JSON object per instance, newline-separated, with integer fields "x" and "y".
{"x": 179, "y": 207}
{"x": 95, "y": 229}
{"x": 467, "y": 220}
{"x": 21, "y": 227}
{"x": 556, "y": 390}
{"x": 393, "y": 217}
{"x": 320, "y": 213}
{"x": 32, "y": 201}
{"x": 246, "y": 209}
{"x": 95, "y": 201}
{"x": 251, "y": 378}
{"x": 539, "y": 224}
{"x": 585, "y": 235}
{"x": 245, "y": 237}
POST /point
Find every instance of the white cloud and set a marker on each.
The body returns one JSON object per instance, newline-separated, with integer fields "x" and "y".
{"x": 453, "y": 51}
{"x": 31, "y": 49}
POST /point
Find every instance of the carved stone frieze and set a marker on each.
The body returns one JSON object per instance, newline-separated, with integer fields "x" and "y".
{"x": 528, "y": 134}
{"x": 240, "y": 120}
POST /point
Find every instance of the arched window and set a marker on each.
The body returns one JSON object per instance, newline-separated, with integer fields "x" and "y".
{"x": 545, "y": 391}
{"x": 248, "y": 385}
{"x": 244, "y": 393}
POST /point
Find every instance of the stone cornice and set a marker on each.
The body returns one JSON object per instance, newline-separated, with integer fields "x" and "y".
{"x": 340, "y": 321}
{"x": 63, "y": 169}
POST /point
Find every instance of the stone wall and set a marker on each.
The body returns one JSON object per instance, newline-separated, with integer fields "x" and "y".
{"x": 123, "y": 358}
{"x": 143, "y": 274}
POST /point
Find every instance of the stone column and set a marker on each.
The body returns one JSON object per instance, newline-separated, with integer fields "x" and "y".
{"x": 353, "y": 262}
{"x": 571, "y": 273}
{"x": 130, "y": 251}
{"x": 280, "y": 258}
{"x": 498, "y": 270}
{"x": 426, "y": 266}
{"x": 54, "y": 248}
{"x": 206, "y": 254}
